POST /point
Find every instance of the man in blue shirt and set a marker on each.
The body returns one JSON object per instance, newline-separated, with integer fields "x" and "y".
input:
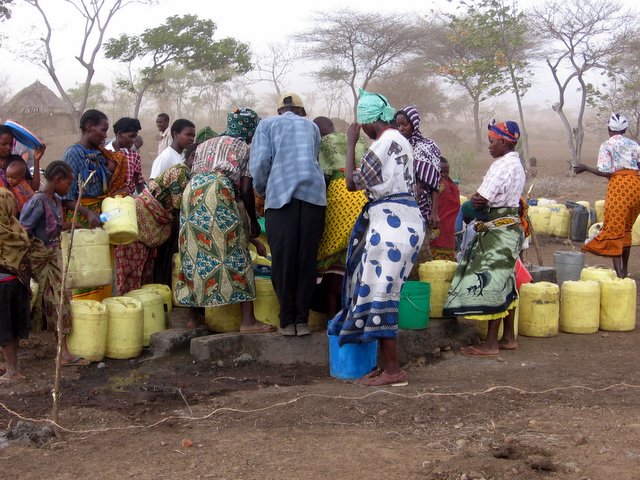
{"x": 285, "y": 170}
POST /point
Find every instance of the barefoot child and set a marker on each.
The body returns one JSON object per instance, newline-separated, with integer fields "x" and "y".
{"x": 14, "y": 286}
{"x": 42, "y": 219}
{"x": 16, "y": 179}
{"x": 484, "y": 286}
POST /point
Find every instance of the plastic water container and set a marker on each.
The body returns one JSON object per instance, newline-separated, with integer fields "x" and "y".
{"x": 599, "y": 206}
{"x": 413, "y": 308}
{"x": 594, "y": 230}
{"x": 98, "y": 294}
{"x": 559, "y": 221}
{"x": 540, "y": 217}
{"x": 635, "y": 232}
{"x": 125, "y": 327}
{"x": 439, "y": 274}
{"x": 88, "y": 335}
{"x": 580, "y": 306}
{"x": 266, "y": 306}
{"x": 539, "y": 305}
{"x": 584, "y": 203}
{"x": 351, "y": 360}
{"x": 154, "y": 316}
{"x": 163, "y": 290}
{"x": 90, "y": 262}
{"x": 546, "y": 202}
{"x": 618, "y": 305}
{"x": 120, "y": 220}
{"x": 579, "y": 224}
{"x": 223, "y": 319}
{"x": 317, "y": 321}
{"x": 568, "y": 265}
{"x": 598, "y": 273}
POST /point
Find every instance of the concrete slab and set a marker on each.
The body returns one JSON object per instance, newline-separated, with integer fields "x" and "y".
{"x": 441, "y": 334}
{"x": 173, "y": 340}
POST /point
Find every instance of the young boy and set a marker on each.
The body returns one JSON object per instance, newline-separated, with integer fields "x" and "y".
{"x": 16, "y": 179}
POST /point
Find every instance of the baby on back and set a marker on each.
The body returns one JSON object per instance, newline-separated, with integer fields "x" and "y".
{"x": 16, "y": 179}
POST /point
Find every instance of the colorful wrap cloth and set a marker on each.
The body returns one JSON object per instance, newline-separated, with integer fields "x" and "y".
{"x": 383, "y": 247}
{"x": 484, "y": 282}
{"x": 343, "y": 208}
{"x": 47, "y": 269}
{"x": 621, "y": 209}
{"x": 216, "y": 264}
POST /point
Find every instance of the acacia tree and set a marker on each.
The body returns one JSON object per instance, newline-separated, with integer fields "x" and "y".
{"x": 185, "y": 41}
{"x": 356, "y": 47}
{"x": 462, "y": 53}
{"x": 275, "y": 64}
{"x": 96, "y": 16}
{"x": 586, "y": 36}
{"x": 5, "y": 13}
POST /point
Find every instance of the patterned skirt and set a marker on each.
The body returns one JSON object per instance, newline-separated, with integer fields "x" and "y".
{"x": 213, "y": 244}
{"x": 383, "y": 247}
{"x": 484, "y": 282}
{"x": 46, "y": 265}
{"x": 343, "y": 208}
{"x": 621, "y": 209}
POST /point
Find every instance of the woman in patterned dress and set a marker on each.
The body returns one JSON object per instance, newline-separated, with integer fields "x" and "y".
{"x": 213, "y": 241}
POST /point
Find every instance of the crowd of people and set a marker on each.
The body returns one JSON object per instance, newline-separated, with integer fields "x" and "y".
{"x": 345, "y": 217}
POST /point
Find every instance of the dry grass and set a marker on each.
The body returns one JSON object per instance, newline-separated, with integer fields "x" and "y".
{"x": 557, "y": 187}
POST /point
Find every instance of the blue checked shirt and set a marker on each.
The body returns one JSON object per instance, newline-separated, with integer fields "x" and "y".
{"x": 284, "y": 161}
{"x": 83, "y": 161}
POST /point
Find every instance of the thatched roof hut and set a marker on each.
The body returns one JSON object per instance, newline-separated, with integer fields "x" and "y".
{"x": 40, "y": 110}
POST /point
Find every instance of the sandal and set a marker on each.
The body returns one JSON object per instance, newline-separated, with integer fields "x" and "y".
{"x": 377, "y": 371}
{"x": 386, "y": 379}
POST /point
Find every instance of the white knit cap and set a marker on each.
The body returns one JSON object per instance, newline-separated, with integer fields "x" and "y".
{"x": 617, "y": 123}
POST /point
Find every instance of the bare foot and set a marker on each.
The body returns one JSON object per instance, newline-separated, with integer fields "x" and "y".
{"x": 12, "y": 377}
{"x": 507, "y": 345}
{"x": 479, "y": 351}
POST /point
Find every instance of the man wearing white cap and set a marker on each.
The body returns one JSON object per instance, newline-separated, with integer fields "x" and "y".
{"x": 618, "y": 161}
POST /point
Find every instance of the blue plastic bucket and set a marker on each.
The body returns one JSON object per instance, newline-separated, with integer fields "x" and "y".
{"x": 351, "y": 360}
{"x": 414, "y": 306}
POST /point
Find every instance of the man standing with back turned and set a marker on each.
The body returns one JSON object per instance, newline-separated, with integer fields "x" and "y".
{"x": 285, "y": 170}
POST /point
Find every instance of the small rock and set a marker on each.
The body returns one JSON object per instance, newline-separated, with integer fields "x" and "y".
{"x": 461, "y": 443}
{"x": 102, "y": 365}
{"x": 579, "y": 440}
{"x": 433, "y": 445}
{"x": 475, "y": 476}
{"x": 446, "y": 348}
{"x": 464, "y": 476}
{"x": 416, "y": 419}
{"x": 500, "y": 359}
{"x": 163, "y": 444}
{"x": 543, "y": 464}
{"x": 421, "y": 362}
{"x": 186, "y": 443}
{"x": 382, "y": 413}
{"x": 244, "y": 358}
{"x": 570, "y": 466}
{"x": 604, "y": 335}
{"x": 532, "y": 423}
{"x": 220, "y": 363}
{"x": 458, "y": 425}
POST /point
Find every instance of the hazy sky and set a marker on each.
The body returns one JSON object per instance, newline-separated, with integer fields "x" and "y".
{"x": 253, "y": 21}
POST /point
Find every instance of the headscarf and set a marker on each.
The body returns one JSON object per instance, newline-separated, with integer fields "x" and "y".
{"x": 205, "y": 134}
{"x": 412, "y": 114}
{"x": 373, "y": 107}
{"x": 617, "y": 123}
{"x": 242, "y": 123}
{"x": 14, "y": 240}
{"x": 507, "y": 131}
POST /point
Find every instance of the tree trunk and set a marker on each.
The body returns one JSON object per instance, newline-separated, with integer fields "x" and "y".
{"x": 570, "y": 140}
{"x": 476, "y": 124}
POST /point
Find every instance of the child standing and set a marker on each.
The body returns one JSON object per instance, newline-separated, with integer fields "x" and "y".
{"x": 14, "y": 286}
{"x": 17, "y": 181}
{"x": 42, "y": 219}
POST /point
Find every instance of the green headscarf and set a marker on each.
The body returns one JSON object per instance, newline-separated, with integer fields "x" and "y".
{"x": 373, "y": 107}
{"x": 242, "y": 123}
{"x": 205, "y": 134}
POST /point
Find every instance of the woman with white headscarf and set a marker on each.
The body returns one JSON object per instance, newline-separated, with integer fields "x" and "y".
{"x": 618, "y": 161}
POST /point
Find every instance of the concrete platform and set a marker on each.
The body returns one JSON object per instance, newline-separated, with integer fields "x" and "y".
{"x": 441, "y": 335}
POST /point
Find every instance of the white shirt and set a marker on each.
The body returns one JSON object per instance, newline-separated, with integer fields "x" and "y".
{"x": 167, "y": 159}
{"x": 503, "y": 183}
{"x": 165, "y": 140}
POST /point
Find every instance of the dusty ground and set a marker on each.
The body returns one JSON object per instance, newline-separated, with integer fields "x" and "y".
{"x": 565, "y": 407}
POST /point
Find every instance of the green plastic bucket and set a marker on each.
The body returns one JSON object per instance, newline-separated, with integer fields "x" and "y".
{"x": 413, "y": 309}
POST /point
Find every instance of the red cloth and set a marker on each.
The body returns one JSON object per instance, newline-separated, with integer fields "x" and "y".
{"x": 448, "y": 207}
{"x": 22, "y": 192}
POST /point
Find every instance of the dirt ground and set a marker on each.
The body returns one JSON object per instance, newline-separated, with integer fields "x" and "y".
{"x": 564, "y": 407}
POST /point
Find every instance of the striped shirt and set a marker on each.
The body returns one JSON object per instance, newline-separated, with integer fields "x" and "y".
{"x": 284, "y": 161}
{"x": 223, "y": 154}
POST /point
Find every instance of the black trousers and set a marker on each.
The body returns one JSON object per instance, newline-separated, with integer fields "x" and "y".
{"x": 294, "y": 232}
